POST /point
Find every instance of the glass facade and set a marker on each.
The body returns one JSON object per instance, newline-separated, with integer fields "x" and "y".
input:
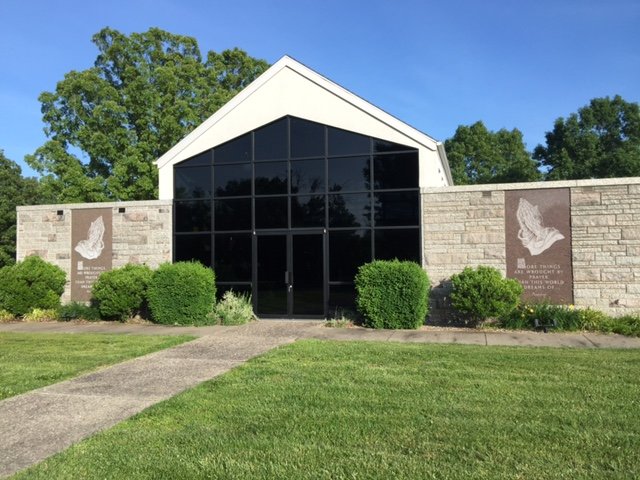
{"x": 290, "y": 211}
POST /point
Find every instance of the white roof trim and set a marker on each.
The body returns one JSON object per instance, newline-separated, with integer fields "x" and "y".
{"x": 323, "y": 82}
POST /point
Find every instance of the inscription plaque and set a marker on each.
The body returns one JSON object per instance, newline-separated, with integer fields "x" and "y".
{"x": 91, "y": 249}
{"x": 538, "y": 243}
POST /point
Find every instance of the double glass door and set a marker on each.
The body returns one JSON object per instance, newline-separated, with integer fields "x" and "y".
{"x": 290, "y": 274}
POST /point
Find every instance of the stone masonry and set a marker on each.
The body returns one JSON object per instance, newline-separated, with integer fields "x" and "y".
{"x": 464, "y": 226}
{"x": 141, "y": 233}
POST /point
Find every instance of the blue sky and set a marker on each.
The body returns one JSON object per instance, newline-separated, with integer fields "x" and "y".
{"x": 434, "y": 65}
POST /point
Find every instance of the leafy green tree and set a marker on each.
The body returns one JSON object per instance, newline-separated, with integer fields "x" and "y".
{"x": 107, "y": 124}
{"x": 14, "y": 190}
{"x": 478, "y": 155}
{"x": 602, "y": 140}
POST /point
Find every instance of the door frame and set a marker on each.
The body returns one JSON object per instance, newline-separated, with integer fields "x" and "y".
{"x": 289, "y": 234}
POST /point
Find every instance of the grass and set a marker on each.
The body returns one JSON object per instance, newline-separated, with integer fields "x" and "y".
{"x": 315, "y": 410}
{"x": 29, "y": 361}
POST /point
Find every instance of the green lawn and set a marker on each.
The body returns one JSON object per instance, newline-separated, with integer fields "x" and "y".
{"x": 29, "y": 361}
{"x": 378, "y": 410}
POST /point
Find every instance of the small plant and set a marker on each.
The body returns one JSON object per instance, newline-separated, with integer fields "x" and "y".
{"x": 182, "y": 293}
{"x": 626, "y": 325}
{"x": 78, "y": 311}
{"x": 32, "y": 283}
{"x": 6, "y": 317}
{"x": 121, "y": 293}
{"x": 483, "y": 293}
{"x": 342, "y": 318}
{"x": 41, "y": 315}
{"x": 234, "y": 309}
{"x": 392, "y": 294}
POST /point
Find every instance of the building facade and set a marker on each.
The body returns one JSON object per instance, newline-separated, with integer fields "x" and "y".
{"x": 296, "y": 182}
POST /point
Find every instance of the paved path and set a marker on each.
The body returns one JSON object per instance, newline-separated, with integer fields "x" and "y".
{"x": 40, "y": 423}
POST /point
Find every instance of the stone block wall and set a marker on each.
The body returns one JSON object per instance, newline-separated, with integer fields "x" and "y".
{"x": 464, "y": 226}
{"x": 142, "y": 234}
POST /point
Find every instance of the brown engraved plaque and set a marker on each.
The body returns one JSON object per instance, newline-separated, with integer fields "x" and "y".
{"x": 91, "y": 248}
{"x": 538, "y": 243}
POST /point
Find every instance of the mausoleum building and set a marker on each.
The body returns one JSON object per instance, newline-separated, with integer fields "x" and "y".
{"x": 296, "y": 182}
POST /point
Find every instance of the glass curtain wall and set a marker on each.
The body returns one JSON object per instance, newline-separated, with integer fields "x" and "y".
{"x": 296, "y": 176}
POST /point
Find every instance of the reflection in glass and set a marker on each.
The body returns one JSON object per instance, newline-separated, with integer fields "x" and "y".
{"x": 398, "y": 170}
{"x": 349, "y": 174}
{"x": 403, "y": 244}
{"x": 307, "y": 138}
{"x": 193, "y": 247}
{"x": 271, "y": 212}
{"x": 307, "y": 176}
{"x": 347, "y": 251}
{"x": 271, "y": 178}
{"x": 232, "y": 214}
{"x": 232, "y": 257}
{"x": 232, "y": 180}
{"x": 342, "y": 142}
{"x": 307, "y": 263}
{"x": 193, "y": 216}
{"x": 201, "y": 159}
{"x": 235, "y": 151}
{"x": 271, "y": 141}
{"x": 307, "y": 211}
{"x": 349, "y": 210}
{"x": 397, "y": 208}
{"x": 272, "y": 265}
{"x": 383, "y": 146}
{"x": 193, "y": 182}
{"x": 341, "y": 297}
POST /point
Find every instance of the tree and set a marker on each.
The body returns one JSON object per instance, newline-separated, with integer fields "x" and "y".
{"x": 107, "y": 124}
{"x": 477, "y": 155}
{"x": 602, "y": 140}
{"x": 14, "y": 190}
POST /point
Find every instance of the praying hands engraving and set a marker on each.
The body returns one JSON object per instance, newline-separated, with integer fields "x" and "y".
{"x": 92, "y": 247}
{"x": 533, "y": 234}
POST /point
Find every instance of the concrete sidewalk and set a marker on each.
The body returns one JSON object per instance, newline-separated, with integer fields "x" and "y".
{"x": 40, "y": 423}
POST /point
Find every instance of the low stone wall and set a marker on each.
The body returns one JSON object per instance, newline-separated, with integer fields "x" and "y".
{"x": 141, "y": 233}
{"x": 465, "y": 226}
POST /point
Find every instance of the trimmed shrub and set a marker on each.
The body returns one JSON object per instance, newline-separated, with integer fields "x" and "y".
{"x": 182, "y": 293}
{"x": 32, "y": 283}
{"x": 234, "y": 309}
{"x": 121, "y": 293}
{"x": 78, "y": 311}
{"x": 41, "y": 315}
{"x": 483, "y": 293}
{"x": 392, "y": 294}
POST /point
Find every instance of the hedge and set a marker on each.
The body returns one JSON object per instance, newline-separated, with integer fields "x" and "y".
{"x": 182, "y": 293}
{"x": 121, "y": 293}
{"x": 392, "y": 294}
{"x": 32, "y": 283}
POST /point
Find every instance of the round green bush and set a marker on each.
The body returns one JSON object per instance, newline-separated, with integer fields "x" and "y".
{"x": 32, "y": 283}
{"x": 483, "y": 293}
{"x": 392, "y": 294}
{"x": 121, "y": 293}
{"x": 182, "y": 293}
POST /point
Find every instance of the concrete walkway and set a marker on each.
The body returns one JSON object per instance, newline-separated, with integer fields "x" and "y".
{"x": 40, "y": 423}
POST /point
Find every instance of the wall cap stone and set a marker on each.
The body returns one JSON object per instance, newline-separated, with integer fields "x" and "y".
{"x": 76, "y": 206}
{"x": 533, "y": 185}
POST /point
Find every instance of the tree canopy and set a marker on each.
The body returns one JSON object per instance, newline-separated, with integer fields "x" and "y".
{"x": 14, "y": 190}
{"x": 107, "y": 124}
{"x": 478, "y": 155}
{"x": 601, "y": 140}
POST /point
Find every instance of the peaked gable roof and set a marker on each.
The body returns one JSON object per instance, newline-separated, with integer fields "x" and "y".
{"x": 185, "y": 148}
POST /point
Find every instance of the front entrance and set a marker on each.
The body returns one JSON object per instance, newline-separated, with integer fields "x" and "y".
{"x": 290, "y": 275}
